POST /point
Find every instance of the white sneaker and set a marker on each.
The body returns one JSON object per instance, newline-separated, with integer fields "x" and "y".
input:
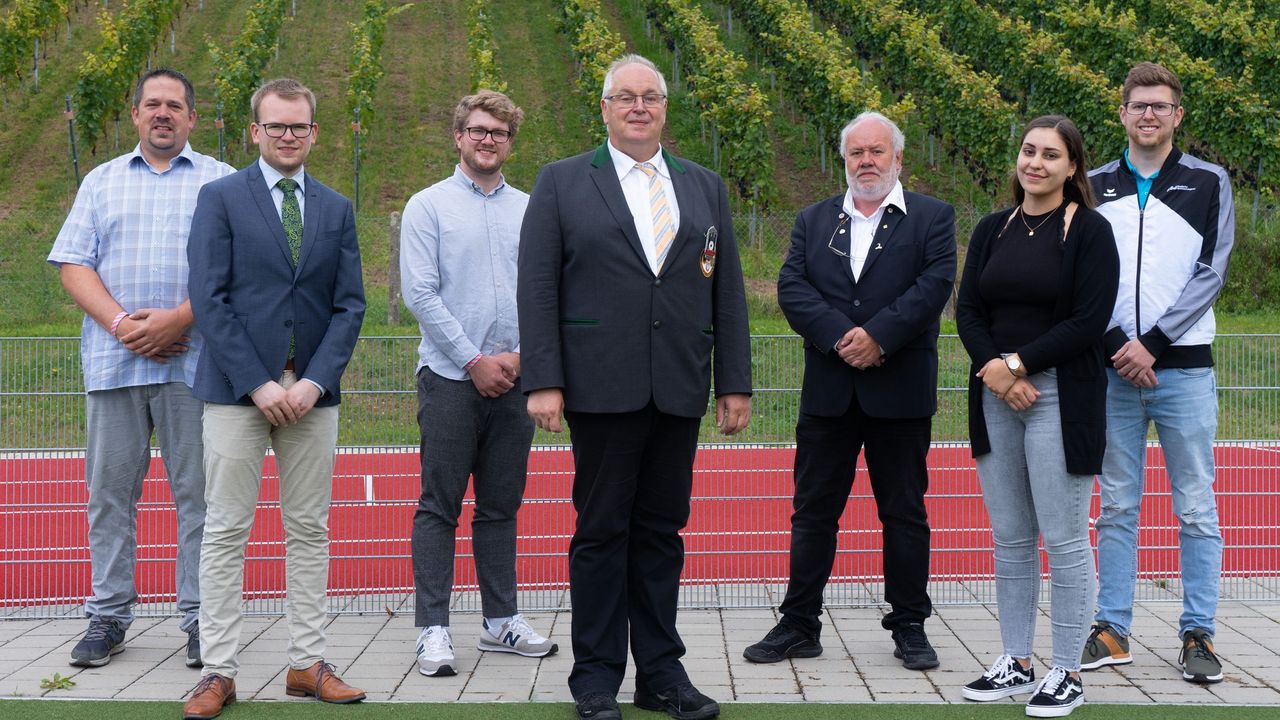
{"x": 435, "y": 652}
{"x": 515, "y": 636}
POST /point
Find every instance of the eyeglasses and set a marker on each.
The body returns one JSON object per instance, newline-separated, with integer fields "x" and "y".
{"x": 276, "y": 130}
{"x": 1161, "y": 109}
{"x": 649, "y": 99}
{"x": 478, "y": 134}
{"x": 844, "y": 219}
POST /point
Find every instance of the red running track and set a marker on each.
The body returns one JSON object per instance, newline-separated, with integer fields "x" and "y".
{"x": 738, "y": 531}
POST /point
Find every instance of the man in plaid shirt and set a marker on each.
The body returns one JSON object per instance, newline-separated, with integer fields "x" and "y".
{"x": 122, "y": 256}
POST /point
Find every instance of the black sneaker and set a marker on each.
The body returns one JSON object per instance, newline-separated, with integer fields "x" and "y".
{"x": 1057, "y": 696}
{"x": 682, "y": 702}
{"x": 598, "y": 706}
{"x": 912, "y": 647}
{"x": 1199, "y": 663}
{"x": 783, "y": 642}
{"x": 193, "y": 647}
{"x": 104, "y": 638}
{"x": 1006, "y": 677}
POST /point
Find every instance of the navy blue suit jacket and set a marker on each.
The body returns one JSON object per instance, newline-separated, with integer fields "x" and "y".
{"x": 248, "y": 298}
{"x": 905, "y": 283}
{"x": 595, "y": 320}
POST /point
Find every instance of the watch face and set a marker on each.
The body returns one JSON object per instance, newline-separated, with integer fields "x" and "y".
{"x": 1013, "y": 362}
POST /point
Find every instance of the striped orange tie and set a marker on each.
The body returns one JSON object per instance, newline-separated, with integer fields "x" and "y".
{"x": 664, "y": 230}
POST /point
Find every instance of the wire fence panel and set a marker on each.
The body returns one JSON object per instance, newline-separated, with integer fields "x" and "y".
{"x": 738, "y": 535}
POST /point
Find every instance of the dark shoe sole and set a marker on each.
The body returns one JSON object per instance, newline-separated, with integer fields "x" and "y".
{"x": 98, "y": 662}
{"x": 702, "y": 713}
{"x": 791, "y": 652}
{"x": 916, "y": 664}
{"x": 298, "y": 692}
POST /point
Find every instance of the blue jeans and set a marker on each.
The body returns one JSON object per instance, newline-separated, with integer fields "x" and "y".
{"x": 1184, "y": 407}
{"x": 1028, "y": 493}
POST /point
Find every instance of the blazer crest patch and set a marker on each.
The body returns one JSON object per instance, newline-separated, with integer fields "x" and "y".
{"x": 707, "y": 258}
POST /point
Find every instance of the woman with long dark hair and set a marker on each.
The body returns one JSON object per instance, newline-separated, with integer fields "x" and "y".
{"x": 1038, "y": 288}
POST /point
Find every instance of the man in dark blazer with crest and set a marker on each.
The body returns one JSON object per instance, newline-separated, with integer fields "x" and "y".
{"x": 276, "y": 290}
{"x": 864, "y": 283}
{"x": 628, "y": 279}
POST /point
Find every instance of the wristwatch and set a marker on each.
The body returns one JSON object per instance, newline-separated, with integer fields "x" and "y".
{"x": 1014, "y": 363}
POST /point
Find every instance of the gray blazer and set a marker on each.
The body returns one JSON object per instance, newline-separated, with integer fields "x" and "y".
{"x": 595, "y": 320}
{"x": 249, "y": 299}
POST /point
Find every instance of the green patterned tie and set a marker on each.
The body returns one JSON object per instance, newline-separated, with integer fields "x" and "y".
{"x": 291, "y": 216}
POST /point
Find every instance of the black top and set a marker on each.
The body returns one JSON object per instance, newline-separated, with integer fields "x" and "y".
{"x": 1085, "y": 293}
{"x": 1019, "y": 282}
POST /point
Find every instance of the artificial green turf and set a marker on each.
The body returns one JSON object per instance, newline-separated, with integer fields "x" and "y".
{"x": 11, "y": 709}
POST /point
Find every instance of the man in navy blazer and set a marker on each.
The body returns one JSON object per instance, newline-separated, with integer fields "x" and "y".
{"x": 276, "y": 290}
{"x": 864, "y": 283}
{"x": 628, "y": 278}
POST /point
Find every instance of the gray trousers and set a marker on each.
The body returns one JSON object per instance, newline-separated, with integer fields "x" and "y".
{"x": 1029, "y": 493}
{"x": 118, "y": 455}
{"x": 465, "y": 434}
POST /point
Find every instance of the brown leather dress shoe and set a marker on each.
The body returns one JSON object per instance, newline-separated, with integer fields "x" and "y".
{"x": 207, "y": 700}
{"x": 322, "y": 682}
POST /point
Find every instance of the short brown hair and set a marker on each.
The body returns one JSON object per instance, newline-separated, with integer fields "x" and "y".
{"x": 286, "y": 89}
{"x": 492, "y": 102}
{"x": 1149, "y": 74}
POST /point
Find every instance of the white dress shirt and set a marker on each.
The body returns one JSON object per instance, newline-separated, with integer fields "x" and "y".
{"x": 863, "y": 227}
{"x": 273, "y": 176}
{"x": 635, "y": 187}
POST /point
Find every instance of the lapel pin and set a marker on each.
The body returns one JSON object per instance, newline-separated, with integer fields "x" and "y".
{"x": 879, "y": 246}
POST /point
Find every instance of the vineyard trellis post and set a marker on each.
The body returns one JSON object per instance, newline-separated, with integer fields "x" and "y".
{"x": 71, "y": 133}
{"x": 355, "y": 134}
{"x": 222, "y": 136}
{"x": 393, "y": 270}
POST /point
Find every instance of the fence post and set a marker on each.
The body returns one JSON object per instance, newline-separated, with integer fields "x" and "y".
{"x": 393, "y": 272}
{"x": 355, "y": 134}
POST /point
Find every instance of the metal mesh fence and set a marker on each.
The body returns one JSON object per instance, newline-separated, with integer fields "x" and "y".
{"x": 736, "y": 541}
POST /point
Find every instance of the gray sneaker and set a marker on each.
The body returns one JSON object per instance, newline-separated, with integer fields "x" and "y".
{"x": 1104, "y": 647}
{"x": 515, "y": 636}
{"x": 1199, "y": 663}
{"x": 104, "y": 638}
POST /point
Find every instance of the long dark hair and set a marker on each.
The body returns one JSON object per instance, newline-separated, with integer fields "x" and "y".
{"x": 1077, "y": 187}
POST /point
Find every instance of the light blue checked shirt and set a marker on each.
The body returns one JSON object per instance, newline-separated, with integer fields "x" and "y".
{"x": 458, "y": 250}
{"x": 130, "y": 224}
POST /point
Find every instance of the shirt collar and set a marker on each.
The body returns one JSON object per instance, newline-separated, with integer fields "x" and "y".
{"x": 272, "y": 175}
{"x": 894, "y": 198}
{"x": 1134, "y": 170}
{"x": 462, "y": 179}
{"x": 624, "y": 163}
{"x": 187, "y": 154}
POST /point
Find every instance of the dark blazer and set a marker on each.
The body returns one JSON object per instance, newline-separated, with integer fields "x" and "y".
{"x": 1074, "y": 345}
{"x": 249, "y": 299}
{"x": 905, "y": 283}
{"x": 596, "y": 322}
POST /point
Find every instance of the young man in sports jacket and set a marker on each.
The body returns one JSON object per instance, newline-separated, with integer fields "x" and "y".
{"x": 1174, "y": 222}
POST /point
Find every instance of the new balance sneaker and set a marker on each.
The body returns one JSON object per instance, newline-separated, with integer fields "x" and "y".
{"x": 193, "y": 647}
{"x": 1105, "y": 646}
{"x": 1005, "y": 678}
{"x": 104, "y": 638}
{"x": 515, "y": 636}
{"x": 912, "y": 647}
{"x": 1199, "y": 663}
{"x": 1057, "y": 696}
{"x": 435, "y": 652}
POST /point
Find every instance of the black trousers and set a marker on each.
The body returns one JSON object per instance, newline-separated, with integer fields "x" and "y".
{"x": 826, "y": 457}
{"x": 632, "y": 481}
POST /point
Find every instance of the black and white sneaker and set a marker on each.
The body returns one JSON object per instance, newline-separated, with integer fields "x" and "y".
{"x": 1005, "y": 678}
{"x": 1057, "y": 696}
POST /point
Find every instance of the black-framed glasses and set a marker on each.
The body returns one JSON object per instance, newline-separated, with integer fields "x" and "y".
{"x": 1161, "y": 109}
{"x": 627, "y": 99}
{"x": 276, "y": 130}
{"x": 478, "y": 134}
{"x": 844, "y": 219}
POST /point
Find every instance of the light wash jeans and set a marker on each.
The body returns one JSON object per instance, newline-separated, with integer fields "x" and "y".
{"x": 1184, "y": 407}
{"x": 1028, "y": 492}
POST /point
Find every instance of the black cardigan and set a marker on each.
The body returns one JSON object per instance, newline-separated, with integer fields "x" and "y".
{"x": 1074, "y": 345}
